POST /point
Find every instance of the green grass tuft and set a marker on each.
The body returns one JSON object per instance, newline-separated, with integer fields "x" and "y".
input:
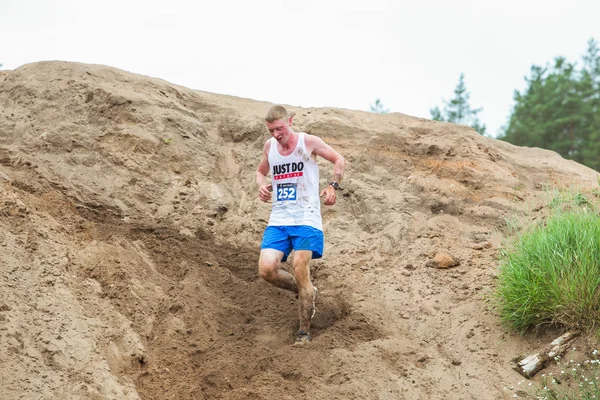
{"x": 551, "y": 273}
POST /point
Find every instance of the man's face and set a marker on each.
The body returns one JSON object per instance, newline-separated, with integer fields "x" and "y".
{"x": 280, "y": 129}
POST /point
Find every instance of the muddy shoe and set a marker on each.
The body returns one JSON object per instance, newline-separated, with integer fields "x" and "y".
{"x": 314, "y": 307}
{"x": 302, "y": 338}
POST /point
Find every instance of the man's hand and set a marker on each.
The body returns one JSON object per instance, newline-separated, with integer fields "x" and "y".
{"x": 265, "y": 192}
{"x": 329, "y": 193}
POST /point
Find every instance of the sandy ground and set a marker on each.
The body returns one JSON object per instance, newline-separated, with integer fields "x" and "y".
{"x": 130, "y": 226}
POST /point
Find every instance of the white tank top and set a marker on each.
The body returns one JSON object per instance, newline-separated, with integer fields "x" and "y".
{"x": 295, "y": 180}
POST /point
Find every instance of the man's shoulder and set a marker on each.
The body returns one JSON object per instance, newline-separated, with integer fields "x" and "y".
{"x": 267, "y": 144}
{"x": 308, "y": 138}
{"x": 312, "y": 141}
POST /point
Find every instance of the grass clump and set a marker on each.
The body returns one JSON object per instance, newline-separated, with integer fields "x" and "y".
{"x": 551, "y": 273}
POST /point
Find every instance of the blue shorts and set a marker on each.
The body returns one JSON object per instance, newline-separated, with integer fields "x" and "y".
{"x": 293, "y": 237}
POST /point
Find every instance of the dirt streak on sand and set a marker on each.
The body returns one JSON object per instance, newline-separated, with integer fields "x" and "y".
{"x": 130, "y": 225}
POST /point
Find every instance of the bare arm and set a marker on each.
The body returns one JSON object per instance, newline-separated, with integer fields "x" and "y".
{"x": 322, "y": 149}
{"x": 264, "y": 189}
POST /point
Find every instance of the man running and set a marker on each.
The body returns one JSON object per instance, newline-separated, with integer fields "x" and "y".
{"x": 295, "y": 222}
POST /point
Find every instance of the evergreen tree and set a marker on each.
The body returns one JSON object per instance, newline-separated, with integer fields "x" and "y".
{"x": 560, "y": 109}
{"x": 378, "y": 107}
{"x": 591, "y": 108}
{"x": 458, "y": 110}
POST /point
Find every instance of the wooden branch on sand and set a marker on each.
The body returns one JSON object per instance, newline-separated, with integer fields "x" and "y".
{"x": 529, "y": 366}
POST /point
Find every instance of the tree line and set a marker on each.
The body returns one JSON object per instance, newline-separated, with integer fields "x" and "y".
{"x": 559, "y": 109}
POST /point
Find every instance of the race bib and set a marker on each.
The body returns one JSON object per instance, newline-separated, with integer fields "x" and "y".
{"x": 286, "y": 192}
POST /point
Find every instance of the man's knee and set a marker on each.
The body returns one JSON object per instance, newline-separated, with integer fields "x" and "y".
{"x": 301, "y": 262}
{"x": 302, "y": 259}
{"x": 267, "y": 268}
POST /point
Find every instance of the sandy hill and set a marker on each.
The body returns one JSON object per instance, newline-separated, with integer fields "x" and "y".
{"x": 130, "y": 225}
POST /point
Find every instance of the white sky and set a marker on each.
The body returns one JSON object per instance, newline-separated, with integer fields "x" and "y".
{"x": 338, "y": 53}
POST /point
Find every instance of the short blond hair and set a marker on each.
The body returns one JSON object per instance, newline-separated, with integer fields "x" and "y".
{"x": 278, "y": 112}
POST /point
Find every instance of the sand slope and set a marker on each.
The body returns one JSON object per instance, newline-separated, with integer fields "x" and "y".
{"x": 130, "y": 225}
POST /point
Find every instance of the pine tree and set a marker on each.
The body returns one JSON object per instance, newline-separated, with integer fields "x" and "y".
{"x": 458, "y": 110}
{"x": 560, "y": 109}
{"x": 591, "y": 108}
{"x": 378, "y": 107}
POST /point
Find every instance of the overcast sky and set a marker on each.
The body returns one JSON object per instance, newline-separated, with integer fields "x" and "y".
{"x": 338, "y": 53}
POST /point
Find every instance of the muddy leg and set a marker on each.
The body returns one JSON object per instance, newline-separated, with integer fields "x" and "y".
{"x": 305, "y": 288}
{"x": 268, "y": 268}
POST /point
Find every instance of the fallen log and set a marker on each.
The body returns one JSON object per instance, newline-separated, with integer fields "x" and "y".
{"x": 532, "y": 364}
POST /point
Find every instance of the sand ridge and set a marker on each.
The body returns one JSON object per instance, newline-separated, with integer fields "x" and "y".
{"x": 130, "y": 224}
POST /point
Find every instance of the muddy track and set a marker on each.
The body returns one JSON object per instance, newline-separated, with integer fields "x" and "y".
{"x": 219, "y": 328}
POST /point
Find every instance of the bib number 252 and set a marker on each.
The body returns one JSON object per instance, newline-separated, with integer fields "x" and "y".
{"x": 286, "y": 192}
